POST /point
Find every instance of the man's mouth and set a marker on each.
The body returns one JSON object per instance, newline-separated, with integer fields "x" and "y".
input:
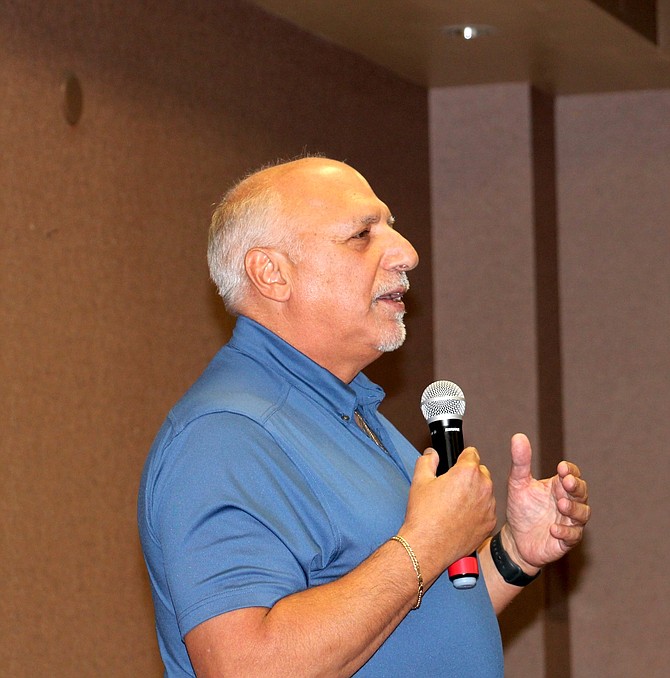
{"x": 393, "y": 293}
{"x": 391, "y": 296}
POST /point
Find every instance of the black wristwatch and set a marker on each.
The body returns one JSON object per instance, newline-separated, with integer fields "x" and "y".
{"x": 508, "y": 569}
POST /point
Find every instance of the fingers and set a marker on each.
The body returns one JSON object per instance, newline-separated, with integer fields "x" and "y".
{"x": 567, "y": 468}
{"x": 578, "y": 512}
{"x": 568, "y": 535}
{"x": 470, "y": 455}
{"x": 571, "y": 481}
{"x": 427, "y": 463}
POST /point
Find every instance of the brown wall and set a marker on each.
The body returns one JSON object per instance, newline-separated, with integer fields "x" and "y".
{"x": 106, "y": 311}
{"x": 602, "y": 385}
{"x": 107, "y": 314}
{"x": 614, "y": 169}
{"x": 484, "y": 291}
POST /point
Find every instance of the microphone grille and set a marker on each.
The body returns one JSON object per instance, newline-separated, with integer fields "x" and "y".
{"x": 442, "y": 398}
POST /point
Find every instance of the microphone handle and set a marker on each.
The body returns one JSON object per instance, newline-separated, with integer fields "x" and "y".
{"x": 446, "y": 437}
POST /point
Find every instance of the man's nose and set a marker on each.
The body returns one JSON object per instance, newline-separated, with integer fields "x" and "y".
{"x": 400, "y": 254}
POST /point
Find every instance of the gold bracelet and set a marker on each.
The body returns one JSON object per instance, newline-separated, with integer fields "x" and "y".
{"x": 415, "y": 564}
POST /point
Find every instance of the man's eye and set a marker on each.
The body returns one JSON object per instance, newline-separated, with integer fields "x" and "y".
{"x": 362, "y": 235}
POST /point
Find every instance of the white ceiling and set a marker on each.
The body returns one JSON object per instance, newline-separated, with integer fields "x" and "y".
{"x": 561, "y": 46}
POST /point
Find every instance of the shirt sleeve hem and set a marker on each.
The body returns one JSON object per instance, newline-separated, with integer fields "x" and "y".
{"x": 228, "y": 601}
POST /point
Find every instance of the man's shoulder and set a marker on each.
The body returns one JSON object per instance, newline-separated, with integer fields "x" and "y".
{"x": 232, "y": 383}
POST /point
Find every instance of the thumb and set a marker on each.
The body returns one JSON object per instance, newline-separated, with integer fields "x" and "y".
{"x": 522, "y": 455}
{"x": 426, "y": 465}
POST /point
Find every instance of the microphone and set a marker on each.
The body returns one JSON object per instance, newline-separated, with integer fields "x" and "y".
{"x": 443, "y": 406}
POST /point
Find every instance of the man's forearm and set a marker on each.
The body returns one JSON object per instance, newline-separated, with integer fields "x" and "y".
{"x": 328, "y": 630}
{"x": 500, "y": 592}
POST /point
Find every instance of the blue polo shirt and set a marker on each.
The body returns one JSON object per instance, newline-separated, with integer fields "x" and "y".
{"x": 261, "y": 484}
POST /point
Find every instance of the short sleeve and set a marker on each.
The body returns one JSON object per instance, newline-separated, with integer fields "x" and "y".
{"x": 228, "y": 514}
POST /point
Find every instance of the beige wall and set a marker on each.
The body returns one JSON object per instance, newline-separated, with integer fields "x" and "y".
{"x": 106, "y": 311}
{"x": 483, "y": 271}
{"x": 611, "y": 173}
{"x": 614, "y": 169}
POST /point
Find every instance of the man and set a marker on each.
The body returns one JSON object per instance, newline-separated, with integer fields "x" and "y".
{"x": 288, "y": 528}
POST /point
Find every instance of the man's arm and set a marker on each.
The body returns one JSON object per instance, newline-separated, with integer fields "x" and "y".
{"x": 545, "y": 519}
{"x": 333, "y": 629}
{"x": 328, "y": 630}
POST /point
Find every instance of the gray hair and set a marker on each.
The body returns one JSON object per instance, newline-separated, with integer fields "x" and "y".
{"x": 249, "y": 215}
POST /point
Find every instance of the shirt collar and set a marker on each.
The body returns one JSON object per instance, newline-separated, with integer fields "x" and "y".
{"x": 258, "y": 342}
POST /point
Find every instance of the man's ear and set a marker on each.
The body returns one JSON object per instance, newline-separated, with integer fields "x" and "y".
{"x": 267, "y": 270}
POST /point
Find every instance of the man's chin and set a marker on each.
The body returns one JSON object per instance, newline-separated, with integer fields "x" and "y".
{"x": 394, "y": 340}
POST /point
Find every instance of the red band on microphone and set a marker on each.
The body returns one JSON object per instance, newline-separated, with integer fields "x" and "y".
{"x": 464, "y": 567}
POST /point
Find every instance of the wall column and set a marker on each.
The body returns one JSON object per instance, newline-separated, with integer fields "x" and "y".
{"x": 496, "y": 313}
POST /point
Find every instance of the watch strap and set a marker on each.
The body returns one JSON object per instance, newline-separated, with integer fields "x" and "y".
{"x": 508, "y": 569}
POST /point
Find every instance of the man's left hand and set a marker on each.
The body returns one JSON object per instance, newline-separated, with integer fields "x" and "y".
{"x": 545, "y": 518}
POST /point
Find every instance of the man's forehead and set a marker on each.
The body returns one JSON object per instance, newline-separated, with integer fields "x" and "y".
{"x": 345, "y": 209}
{"x": 321, "y": 190}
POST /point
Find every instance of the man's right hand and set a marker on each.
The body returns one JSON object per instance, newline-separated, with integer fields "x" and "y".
{"x": 448, "y": 516}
